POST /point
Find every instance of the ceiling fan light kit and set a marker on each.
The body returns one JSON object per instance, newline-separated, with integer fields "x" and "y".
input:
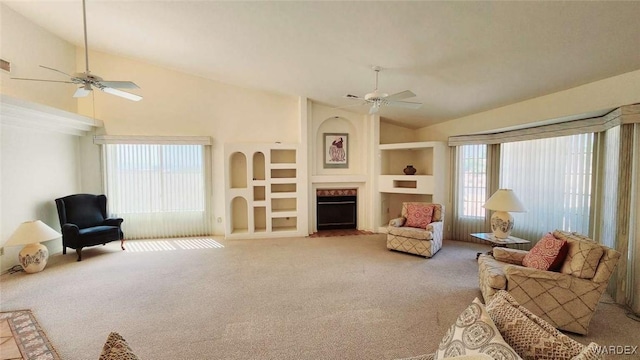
{"x": 378, "y": 99}
{"x": 88, "y": 81}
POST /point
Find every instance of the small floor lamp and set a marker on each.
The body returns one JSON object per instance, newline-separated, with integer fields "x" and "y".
{"x": 33, "y": 257}
{"x": 501, "y": 202}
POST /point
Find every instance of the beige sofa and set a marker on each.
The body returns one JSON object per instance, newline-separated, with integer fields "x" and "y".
{"x": 566, "y": 299}
{"x": 504, "y": 329}
{"x": 424, "y": 242}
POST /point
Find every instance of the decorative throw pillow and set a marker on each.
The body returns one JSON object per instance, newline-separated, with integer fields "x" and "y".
{"x": 419, "y": 215}
{"x": 474, "y": 333}
{"x": 529, "y": 335}
{"x": 582, "y": 259}
{"x": 116, "y": 348}
{"x": 548, "y": 254}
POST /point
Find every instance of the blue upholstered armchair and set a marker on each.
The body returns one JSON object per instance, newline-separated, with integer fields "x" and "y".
{"x": 84, "y": 222}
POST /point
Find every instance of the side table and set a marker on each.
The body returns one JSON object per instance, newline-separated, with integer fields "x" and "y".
{"x": 498, "y": 242}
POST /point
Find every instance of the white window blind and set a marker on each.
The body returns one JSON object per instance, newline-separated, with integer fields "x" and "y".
{"x": 553, "y": 179}
{"x": 159, "y": 190}
{"x": 471, "y": 190}
{"x": 473, "y": 170}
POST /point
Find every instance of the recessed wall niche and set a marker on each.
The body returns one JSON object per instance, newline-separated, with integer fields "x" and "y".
{"x": 258, "y": 166}
{"x": 341, "y": 125}
{"x": 239, "y": 171}
{"x": 239, "y": 218}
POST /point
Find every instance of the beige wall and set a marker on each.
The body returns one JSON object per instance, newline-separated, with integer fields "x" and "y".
{"x": 393, "y": 134}
{"x": 604, "y": 94}
{"x": 36, "y": 166}
{"x": 27, "y": 46}
{"x": 180, "y": 104}
{"x": 176, "y": 103}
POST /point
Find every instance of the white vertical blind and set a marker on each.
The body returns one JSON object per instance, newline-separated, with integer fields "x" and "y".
{"x": 470, "y": 191}
{"x": 553, "y": 178}
{"x": 618, "y": 194}
{"x": 159, "y": 190}
{"x": 609, "y": 208}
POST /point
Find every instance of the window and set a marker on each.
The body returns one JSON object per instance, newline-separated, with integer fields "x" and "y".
{"x": 472, "y": 162}
{"x": 160, "y": 190}
{"x": 553, "y": 179}
{"x": 471, "y": 191}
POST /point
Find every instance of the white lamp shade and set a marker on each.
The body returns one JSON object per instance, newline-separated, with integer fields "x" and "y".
{"x": 32, "y": 232}
{"x": 504, "y": 200}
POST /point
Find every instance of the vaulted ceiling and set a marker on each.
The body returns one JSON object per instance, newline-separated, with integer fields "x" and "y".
{"x": 458, "y": 57}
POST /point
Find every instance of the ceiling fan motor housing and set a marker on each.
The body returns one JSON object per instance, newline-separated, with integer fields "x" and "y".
{"x": 376, "y": 95}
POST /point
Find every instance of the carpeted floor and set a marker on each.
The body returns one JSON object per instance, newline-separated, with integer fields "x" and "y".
{"x": 342, "y": 297}
{"x": 22, "y": 338}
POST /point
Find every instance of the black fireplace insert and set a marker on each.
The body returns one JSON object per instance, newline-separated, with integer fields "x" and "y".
{"x": 337, "y": 212}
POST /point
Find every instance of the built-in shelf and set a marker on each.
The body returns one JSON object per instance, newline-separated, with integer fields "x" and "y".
{"x": 259, "y": 193}
{"x": 283, "y": 187}
{"x": 281, "y": 230}
{"x": 291, "y": 181}
{"x": 284, "y": 166}
{"x": 258, "y": 166}
{"x": 406, "y": 184}
{"x": 283, "y": 173}
{"x": 283, "y": 213}
{"x": 428, "y": 183}
{"x": 261, "y": 190}
{"x": 283, "y": 195}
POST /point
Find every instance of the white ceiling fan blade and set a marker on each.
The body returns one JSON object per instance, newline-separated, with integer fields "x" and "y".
{"x": 57, "y": 81}
{"x": 123, "y": 94}
{"x": 401, "y": 95}
{"x": 82, "y": 92}
{"x": 120, "y": 84}
{"x": 56, "y": 70}
{"x": 405, "y": 104}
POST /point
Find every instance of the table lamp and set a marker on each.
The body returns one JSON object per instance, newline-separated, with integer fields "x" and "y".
{"x": 33, "y": 257}
{"x": 501, "y": 202}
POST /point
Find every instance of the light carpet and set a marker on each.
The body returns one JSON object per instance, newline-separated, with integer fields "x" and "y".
{"x": 342, "y": 297}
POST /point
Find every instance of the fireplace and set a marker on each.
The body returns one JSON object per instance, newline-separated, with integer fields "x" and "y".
{"x": 337, "y": 209}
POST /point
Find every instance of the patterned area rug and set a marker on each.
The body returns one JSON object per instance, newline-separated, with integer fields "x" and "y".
{"x": 329, "y": 233}
{"x": 22, "y": 338}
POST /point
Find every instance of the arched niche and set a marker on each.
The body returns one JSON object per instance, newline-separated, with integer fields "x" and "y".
{"x": 240, "y": 215}
{"x": 238, "y": 170}
{"x": 342, "y": 125}
{"x": 258, "y": 166}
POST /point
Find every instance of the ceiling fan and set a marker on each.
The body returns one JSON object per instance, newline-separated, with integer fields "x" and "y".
{"x": 377, "y": 99}
{"x": 89, "y": 81}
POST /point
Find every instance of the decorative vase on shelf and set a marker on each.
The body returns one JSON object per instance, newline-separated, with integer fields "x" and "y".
{"x": 409, "y": 170}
